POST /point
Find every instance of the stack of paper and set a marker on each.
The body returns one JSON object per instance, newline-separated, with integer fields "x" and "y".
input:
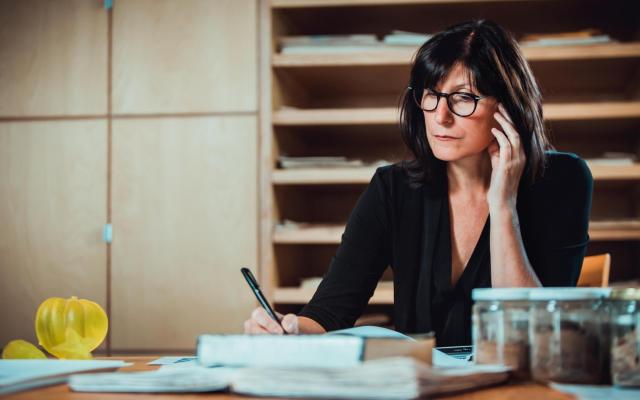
{"x": 328, "y": 44}
{"x": 165, "y": 380}
{"x": 318, "y": 162}
{"x": 403, "y": 38}
{"x": 587, "y": 36}
{"x": 614, "y": 158}
{"x": 388, "y": 378}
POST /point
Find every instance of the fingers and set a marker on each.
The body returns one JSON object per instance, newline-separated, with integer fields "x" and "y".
{"x": 507, "y": 128}
{"x": 290, "y": 323}
{"x": 261, "y": 322}
{"x": 503, "y": 142}
{"x": 251, "y": 327}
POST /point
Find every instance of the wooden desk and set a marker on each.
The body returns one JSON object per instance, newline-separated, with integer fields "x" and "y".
{"x": 61, "y": 392}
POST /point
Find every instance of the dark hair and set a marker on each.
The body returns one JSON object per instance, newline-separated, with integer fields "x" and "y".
{"x": 496, "y": 68}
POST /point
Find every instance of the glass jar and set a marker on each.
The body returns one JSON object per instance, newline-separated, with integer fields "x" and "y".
{"x": 568, "y": 330}
{"x": 501, "y": 328}
{"x": 625, "y": 341}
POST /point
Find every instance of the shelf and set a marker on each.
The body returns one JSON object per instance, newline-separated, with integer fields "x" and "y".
{"x": 614, "y": 230}
{"x": 610, "y": 173}
{"x": 317, "y": 176}
{"x": 403, "y": 56}
{"x": 332, "y": 234}
{"x": 296, "y": 295}
{"x": 389, "y": 115}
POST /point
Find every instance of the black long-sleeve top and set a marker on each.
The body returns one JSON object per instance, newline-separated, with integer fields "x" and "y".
{"x": 408, "y": 229}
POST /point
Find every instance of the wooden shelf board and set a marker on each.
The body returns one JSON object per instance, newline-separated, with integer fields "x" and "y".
{"x": 608, "y": 172}
{"x": 318, "y": 176}
{"x": 332, "y": 234}
{"x": 590, "y": 111}
{"x": 296, "y": 295}
{"x": 403, "y": 56}
{"x": 390, "y": 115}
{"x": 614, "y": 230}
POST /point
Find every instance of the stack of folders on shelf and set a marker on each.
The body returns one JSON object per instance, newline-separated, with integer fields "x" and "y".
{"x": 614, "y": 158}
{"x": 318, "y": 162}
{"x": 583, "y": 37}
{"x": 286, "y": 162}
{"x": 363, "y": 362}
{"x": 326, "y": 44}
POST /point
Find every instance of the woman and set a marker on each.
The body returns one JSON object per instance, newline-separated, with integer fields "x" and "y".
{"x": 484, "y": 202}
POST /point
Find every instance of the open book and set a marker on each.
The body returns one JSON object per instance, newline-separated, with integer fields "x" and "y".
{"x": 386, "y": 378}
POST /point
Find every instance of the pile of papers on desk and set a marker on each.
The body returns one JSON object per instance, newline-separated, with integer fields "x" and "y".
{"x": 362, "y": 362}
{"x": 386, "y": 378}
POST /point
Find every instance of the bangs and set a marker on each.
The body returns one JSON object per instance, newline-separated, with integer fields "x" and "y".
{"x": 435, "y": 63}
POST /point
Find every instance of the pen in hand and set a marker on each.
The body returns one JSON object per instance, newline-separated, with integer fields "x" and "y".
{"x": 255, "y": 288}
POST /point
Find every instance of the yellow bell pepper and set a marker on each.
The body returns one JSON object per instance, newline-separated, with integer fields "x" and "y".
{"x": 19, "y": 348}
{"x": 70, "y": 328}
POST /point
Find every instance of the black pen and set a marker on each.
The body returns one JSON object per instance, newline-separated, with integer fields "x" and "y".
{"x": 253, "y": 284}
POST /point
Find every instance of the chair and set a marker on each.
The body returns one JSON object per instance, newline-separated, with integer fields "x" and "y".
{"x": 595, "y": 271}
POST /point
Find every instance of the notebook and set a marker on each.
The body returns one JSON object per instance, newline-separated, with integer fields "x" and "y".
{"x": 343, "y": 348}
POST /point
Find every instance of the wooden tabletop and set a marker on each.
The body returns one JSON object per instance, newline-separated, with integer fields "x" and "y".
{"x": 517, "y": 391}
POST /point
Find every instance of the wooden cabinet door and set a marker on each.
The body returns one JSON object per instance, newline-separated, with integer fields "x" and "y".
{"x": 184, "y": 223}
{"x": 188, "y": 56}
{"x": 53, "y": 205}
{"x": 53, "y": 58}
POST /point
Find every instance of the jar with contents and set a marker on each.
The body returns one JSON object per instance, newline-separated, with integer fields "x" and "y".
{"x": 501, "y": 328}
{"x": 568, "y": 330}
{"x": 625, "y": 341}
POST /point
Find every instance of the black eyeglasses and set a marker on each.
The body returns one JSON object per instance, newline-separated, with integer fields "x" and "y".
{"x": 461, "y": 104}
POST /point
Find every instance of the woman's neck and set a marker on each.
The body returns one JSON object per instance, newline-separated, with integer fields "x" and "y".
{"x": 469, "y": 175}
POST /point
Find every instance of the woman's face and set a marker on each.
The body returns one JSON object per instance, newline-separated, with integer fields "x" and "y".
{"x": 452, "y": 137}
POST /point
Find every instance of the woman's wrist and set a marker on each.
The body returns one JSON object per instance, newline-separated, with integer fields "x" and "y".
{"x": 501, "y": 210}
{"x": 309, "y": 326}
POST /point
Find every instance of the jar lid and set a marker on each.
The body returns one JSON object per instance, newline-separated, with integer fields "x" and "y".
{"x": 626, "y": 294}
{"x": 569, "y": 293}
{"x": 489, "y": 294}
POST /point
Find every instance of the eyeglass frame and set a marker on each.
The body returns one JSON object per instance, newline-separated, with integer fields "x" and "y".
{"x": 475, "y": 98}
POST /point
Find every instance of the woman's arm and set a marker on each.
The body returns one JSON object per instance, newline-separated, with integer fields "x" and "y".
{"x": 510, "y": 266}
{"x": 345, "y": 290}
{"x": 359, "y": 262}
{"x": 557, "y": 233}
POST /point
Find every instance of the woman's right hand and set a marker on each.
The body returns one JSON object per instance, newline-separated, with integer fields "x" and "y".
{"x": 261, "y": 323}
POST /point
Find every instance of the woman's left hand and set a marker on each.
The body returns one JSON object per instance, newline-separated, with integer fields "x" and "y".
{"x": 507, "y": 161}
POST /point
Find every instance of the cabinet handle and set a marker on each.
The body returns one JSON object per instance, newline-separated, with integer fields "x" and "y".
{"x": 107, "y": 233}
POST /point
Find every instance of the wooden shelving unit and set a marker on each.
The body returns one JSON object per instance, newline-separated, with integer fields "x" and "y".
{"x": 363, "y": 175}
{"x": 346, "y": 105}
